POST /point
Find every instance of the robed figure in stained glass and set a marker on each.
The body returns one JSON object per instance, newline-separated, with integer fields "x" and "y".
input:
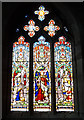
{"x": 63, "y": 75}
{"x": 42, "y": 80}
{"x": 41, "y": 84}
{"x": 20, "y": 76}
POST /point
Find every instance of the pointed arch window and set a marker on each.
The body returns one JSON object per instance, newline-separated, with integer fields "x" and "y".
{"x": 63, "y": 75}
{"x": 20, "y": 76}
{"x": 42, "y": 70}
{"x": 42, "y": 77}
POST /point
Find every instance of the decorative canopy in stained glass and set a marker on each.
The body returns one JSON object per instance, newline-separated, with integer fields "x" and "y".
{"x": 63, "y": 75}
{"x": 51, "y": 28}
{"x": 31, "y": 28}
{"x": 42, "y": 76}
{"x": 41, "y": 13}
{"x": 20, "y": 76}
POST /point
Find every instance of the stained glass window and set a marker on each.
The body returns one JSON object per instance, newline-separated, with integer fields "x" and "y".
{"x": 42, "y": 77}
{"x": 63, "y": 75}
{"x": 42, "y": 69}
{"x": 20, "y": 76}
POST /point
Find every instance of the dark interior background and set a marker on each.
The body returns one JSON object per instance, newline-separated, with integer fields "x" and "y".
{"x": 70, "y": 15}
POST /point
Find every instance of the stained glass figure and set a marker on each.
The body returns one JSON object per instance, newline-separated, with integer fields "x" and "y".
{"x": 63, "y": 75}
{"x": 31, "y": 28}
{"x": 42, "y": 76}
{"x": 20, "y": 76}
{"x": 42, "y": 12}
{"x": 51, "y": 28}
